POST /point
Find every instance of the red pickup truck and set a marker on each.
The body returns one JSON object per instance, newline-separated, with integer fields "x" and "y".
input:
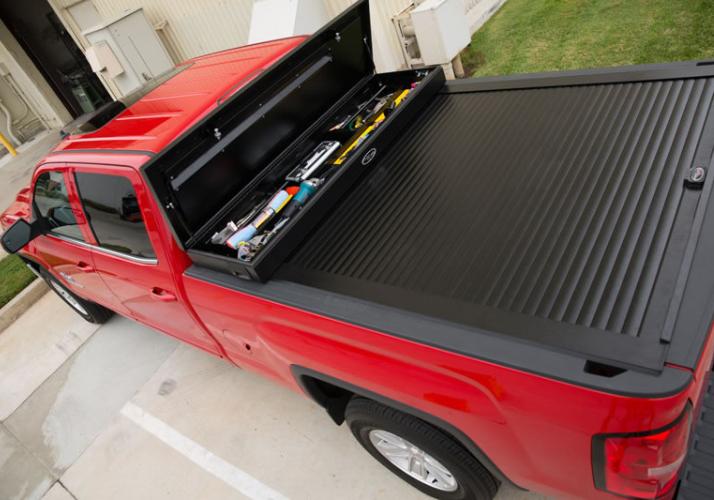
{"x": 490, "y": 280}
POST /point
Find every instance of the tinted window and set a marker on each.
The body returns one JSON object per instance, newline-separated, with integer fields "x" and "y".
{"x": 114, "y": 215}
{"x": 52, "y": 204}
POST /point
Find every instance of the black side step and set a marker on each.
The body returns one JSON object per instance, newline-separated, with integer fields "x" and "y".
{"x": 698, "y": 476}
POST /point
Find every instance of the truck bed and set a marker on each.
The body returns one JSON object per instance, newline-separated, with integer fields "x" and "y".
{"x": 550, "y": 208}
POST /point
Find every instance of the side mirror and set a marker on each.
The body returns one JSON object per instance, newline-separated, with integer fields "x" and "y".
{"x": 18, "y": 235}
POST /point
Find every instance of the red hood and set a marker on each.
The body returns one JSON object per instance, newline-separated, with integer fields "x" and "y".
{"x": 20, "y": 208}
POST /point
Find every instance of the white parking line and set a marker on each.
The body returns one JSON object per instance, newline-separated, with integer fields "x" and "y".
{"x": 228, "y": 473}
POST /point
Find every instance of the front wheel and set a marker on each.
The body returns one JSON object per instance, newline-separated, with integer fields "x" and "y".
{"x": 94, "y": 313}
{"x": 419, "y": 453}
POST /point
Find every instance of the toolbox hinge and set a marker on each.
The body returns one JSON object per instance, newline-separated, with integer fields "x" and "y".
{"x": 365, "y": 40}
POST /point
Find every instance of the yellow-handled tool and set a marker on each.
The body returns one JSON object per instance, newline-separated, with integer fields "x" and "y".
{"x": 368, "y": 131}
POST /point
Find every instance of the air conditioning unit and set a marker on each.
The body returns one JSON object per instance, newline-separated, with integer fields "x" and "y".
{"x": 436, "y": 31}
{"x": 407, "y": 37}
{"x": 433, "y": 32}
{"x": 127, "y": 50}
{"x": 442, "y": 30}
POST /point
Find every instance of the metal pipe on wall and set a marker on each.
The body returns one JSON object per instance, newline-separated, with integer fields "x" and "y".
{"x": 21, "y": 95}
{"x": 8, "y": 118}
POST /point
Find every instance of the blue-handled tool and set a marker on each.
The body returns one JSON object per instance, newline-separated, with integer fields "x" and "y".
{"x": 307, "y": 189}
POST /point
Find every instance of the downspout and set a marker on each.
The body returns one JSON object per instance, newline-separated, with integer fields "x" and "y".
{"x": 8, "y": 118}
{"x": 21, "y": 95}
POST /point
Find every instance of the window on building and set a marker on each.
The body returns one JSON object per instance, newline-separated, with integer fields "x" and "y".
{"x": 52, "y": 205}
{"x": 114, "y": 215}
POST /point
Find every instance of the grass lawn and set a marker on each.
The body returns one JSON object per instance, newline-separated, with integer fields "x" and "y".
{"x": 550, "y": 35}
{"x": 14, "y": 277}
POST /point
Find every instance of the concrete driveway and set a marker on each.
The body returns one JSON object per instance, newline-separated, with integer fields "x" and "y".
{"x": 123, "y": 412}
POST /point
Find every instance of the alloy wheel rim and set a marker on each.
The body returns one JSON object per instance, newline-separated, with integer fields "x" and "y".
{"x": 413, "y": 461}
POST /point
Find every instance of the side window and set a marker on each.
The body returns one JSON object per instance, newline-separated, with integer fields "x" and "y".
{"x": 114, "y": 215}
{"x": 52, "y": 204}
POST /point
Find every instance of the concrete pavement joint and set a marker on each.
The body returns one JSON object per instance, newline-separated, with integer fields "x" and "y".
{"x": 9, "y": 432}
{"x": 211, "y": 463}
{"x": 67, "y": 489}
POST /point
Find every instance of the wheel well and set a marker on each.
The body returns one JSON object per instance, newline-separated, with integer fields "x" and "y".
{"x": 332, "y": 398}
{"x": 334, "y": 395}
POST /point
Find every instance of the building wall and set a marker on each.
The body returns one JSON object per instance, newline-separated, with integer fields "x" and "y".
{"x": 188, "y": 27}
{"x": 194, "y": 27}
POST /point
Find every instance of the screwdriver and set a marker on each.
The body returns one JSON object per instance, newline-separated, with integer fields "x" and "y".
{"x": 307, "y": 189}
{"x": 275, "y": 205}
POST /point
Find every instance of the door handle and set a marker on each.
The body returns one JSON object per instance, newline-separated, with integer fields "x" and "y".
{"x": 84, "y": 267}
{"x": 162, "y": 295}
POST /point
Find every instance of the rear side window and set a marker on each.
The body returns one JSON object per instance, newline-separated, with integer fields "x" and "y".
{"x": 114, "y": 215}
{"x": 52, "y": 205}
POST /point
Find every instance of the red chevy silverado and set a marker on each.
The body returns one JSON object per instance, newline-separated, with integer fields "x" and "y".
{"x": 490, "y": 280}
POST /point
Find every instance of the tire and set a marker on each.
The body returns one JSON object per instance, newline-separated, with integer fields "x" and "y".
{"x": 90, "y": 311}
{"x": 369, "y": 421}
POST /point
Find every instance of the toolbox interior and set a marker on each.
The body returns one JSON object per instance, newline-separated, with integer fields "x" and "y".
{"x": 271, "y": 179}
{"x": 235, "y": 163}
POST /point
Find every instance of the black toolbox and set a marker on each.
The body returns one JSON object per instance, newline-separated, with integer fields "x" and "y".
{"x": 232, "y": 162}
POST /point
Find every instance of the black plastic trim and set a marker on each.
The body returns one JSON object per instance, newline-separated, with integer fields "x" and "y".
{"x": 623, "y": 74}
{"x": 694, "y": 316}
{"x": 301, "y": 374}
{"x": 477, "y": 343}
{"x": 624, "y": 351}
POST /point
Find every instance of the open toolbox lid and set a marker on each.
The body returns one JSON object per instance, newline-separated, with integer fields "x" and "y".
{"x": 219, "y": 157}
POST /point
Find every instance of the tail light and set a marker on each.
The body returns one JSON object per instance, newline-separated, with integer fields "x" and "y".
{"x": 642, "y": 464}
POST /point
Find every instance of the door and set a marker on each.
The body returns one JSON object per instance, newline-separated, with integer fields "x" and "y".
{"x": 129, "y": 254}
{"x": 64, "y": 248}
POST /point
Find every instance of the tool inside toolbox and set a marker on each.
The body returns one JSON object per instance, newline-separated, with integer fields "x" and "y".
{"x": 285, "y": 190}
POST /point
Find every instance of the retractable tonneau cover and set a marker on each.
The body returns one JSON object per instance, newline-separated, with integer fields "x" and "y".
{"x": 554, "y": 208}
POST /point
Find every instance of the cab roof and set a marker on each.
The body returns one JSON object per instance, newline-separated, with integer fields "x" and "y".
{"x": 162, "y": 115}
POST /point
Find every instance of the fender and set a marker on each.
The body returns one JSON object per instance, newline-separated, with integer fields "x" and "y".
{"x": 335, "y": 406}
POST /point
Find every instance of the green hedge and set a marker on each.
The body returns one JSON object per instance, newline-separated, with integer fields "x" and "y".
{"x": 14, "y": 277}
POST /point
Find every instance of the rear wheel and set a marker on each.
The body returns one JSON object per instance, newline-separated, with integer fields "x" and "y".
{"x": 419, "y": 453}
{"x": 90, "y": 311}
